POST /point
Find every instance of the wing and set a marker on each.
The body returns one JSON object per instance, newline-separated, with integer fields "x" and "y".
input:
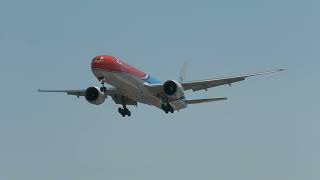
{"x": 199, "y": 101}
{"x": 210, "y": 83}
{"x": 116, "y": 94}
{"x": 206, "y": 84}
{"x": 80, "y": 92}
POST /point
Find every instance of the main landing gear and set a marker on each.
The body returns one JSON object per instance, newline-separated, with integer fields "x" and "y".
{"x": 124, "y": 111}
{"x": 167, "y": 108}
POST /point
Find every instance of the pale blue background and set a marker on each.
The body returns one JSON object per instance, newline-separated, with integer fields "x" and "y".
{"x": 268, "y": 129}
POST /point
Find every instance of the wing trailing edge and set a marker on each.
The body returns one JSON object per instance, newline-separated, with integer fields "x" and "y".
{"x": 199, "y": 101}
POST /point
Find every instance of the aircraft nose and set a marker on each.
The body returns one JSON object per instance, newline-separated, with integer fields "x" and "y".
{"x": 97, "y": 63}
{"x": 106, "y": 63}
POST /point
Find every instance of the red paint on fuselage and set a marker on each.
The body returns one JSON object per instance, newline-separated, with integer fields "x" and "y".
{"x": 113, "y": 64}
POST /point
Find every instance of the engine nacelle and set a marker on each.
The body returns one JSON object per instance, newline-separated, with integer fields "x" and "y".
{"x": 95, "y": 96}
{"x": 173, "y": 89}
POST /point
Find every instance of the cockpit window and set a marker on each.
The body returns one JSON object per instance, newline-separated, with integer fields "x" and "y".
{"x": 99, "y": 59}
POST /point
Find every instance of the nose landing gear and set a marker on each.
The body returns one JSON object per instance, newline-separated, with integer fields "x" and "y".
{"x": 103, "y": 88}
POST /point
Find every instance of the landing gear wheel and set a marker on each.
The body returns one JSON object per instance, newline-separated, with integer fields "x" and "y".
{"x": 124, "y": 112}
{"x": 167, "y": 108}
{"x": 164, "y": 108}
{"x": 120, "y": 110}
{"x": 103, "y": 89}
{"x": 127, "y": 112}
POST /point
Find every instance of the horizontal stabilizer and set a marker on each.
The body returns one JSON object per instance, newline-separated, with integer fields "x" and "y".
{"x": 199, "y": 101}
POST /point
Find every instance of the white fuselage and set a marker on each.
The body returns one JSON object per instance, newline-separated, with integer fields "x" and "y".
{"x": 134, "y": 88}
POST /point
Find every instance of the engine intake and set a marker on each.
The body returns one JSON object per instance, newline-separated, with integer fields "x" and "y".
{"x": 173, "y": 89}
{"x": 95, "y": 96}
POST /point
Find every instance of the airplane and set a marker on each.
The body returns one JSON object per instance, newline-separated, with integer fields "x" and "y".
{"x": 130, "y": 86}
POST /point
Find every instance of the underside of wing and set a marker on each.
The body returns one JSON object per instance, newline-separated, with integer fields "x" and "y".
{"x": 157, "y": 89}
{"x": 118, "y": 96}
{"x": 199, "y": 101}
{"x": 79, "y": 92}
{"x": 206, "y": 84}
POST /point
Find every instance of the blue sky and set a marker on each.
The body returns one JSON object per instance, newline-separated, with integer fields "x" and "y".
{"x": 268, "y": 129}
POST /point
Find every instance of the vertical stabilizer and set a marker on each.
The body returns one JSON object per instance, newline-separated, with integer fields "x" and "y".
{"x": 183, "y": 72}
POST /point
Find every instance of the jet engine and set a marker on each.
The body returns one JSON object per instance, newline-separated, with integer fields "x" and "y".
{"x": 94, "y": 96}
{"x": 173, "y": 89}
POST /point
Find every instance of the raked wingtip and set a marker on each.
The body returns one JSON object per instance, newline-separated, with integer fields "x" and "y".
{"x": 282, "y": 69}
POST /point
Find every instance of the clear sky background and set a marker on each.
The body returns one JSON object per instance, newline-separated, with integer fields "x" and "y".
{"x": 268, "y": 129}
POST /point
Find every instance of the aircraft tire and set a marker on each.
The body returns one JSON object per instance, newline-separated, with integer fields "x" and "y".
{"x": 103, "y": 89}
